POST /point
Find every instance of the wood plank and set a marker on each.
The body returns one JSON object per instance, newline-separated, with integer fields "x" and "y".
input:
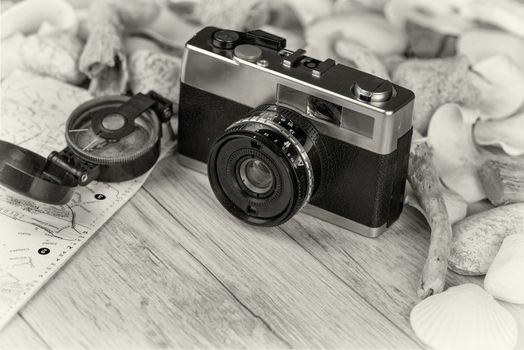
{"x": 130, "y": 287}
{"x": 18, "y": 334}
{"x": 385, "y": 270}
{"x": 267, "y": 271}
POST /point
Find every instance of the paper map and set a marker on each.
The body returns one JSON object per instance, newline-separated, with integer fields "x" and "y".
{"x": 36, "y": 239}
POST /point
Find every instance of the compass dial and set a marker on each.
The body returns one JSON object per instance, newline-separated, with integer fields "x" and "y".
{"x": 86, "y": 144}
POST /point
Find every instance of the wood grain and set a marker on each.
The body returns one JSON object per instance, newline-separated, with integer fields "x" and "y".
{"x": 174, "y": 269}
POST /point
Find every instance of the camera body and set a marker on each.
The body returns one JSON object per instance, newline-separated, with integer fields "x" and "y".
{"x": 279, "y": 132}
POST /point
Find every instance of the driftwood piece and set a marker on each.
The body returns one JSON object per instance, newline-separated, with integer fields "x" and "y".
{"x": 423, "y": 178}
{"x": 503, "y": 181}
{"x": 103, "y": 59}
{"x": 104, "y": 55}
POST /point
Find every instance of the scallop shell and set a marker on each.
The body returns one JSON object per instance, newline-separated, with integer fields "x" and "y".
{"x": 478, "y": 44}
{"x": 27, "y": 16}
{"x": 507, "y": 133}
{"x": 464, "y": 317}
{"x": 505, "y": 277}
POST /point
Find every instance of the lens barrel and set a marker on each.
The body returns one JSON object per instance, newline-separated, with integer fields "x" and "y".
{"x": 266, "y": 166}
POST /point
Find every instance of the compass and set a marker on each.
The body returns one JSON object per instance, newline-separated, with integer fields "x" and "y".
{"x": 109, "y": 139}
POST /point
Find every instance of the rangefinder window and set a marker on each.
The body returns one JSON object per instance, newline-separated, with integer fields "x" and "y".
{"x": 312, "y": 106}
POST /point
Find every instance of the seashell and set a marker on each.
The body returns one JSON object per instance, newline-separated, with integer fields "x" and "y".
{"x": 11, "y": 54}
{"x": 501, "y": 86}
{"x": 456, "y": 157}
{"x": 27, "y": 16}
{"x": 155, "y": 71}
{"x": 518, "y": 312}
{"x": 360, "y": 57}
{"x": 367, "y": 29}
{"x": 505, "y": 277}
{"x": 478, "y": 44}
{"x": 309, "y": 11}
{"x": 505, "y": 14}
{"x": 477, "y": 239}
{"x": 464, "y": 317}
{"x": 55, "y": 55}
{"x": 440, "y": 16}
{"x": 507, "y": 134}
{"x": 232, "y": 14}
{"x": 435, "y": 82}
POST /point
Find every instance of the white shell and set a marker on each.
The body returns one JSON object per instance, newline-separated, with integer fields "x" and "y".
{"x": 367, "y": 29}
{"x": 439, "y": 16}
{"x": 456, "y": 157}
{"x": 362, "y": 58}
{"x": 464, "y": 317}
{"x": 501, "y": 85}
{"x": 507, "y": 133}
{"x": 505, "y": 277}
{"x": 27, "y": 16}
{"x": 505, "y": 14}
{"x": 478, "y": 44}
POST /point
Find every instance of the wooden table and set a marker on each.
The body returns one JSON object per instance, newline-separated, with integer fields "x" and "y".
{"x": 174, "y": 269}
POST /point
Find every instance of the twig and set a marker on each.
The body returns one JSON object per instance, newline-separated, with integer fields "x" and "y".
{"x": 423, "y": 177}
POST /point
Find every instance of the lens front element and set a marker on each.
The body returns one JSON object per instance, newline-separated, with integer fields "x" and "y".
{"x": 264, "y": 168}
{"x": 256, "y": 175}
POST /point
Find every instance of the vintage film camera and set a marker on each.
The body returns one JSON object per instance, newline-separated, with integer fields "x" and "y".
{"x": 281, "y": 131}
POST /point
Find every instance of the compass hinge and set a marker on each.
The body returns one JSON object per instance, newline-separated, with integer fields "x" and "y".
{"x": 83, "y": 171}
{"x": 162, "y": 107}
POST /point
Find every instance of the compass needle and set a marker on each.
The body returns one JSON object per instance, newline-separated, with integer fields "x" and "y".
{"x": 90, "y": 144}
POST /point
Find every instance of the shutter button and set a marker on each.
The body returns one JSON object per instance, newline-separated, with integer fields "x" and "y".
{"x": 225, "y": 39}
{"x": 373, "y": 89}
{"x": 248, "y": 52}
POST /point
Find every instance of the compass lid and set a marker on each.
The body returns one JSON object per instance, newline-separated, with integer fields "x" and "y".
{"x": 32, "y": 175}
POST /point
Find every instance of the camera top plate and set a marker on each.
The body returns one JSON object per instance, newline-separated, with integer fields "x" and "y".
{"x": 251, "y": 71}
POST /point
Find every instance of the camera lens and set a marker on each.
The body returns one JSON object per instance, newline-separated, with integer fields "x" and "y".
{"x": 256, "y": 175}
{"x": 266, "y": 166}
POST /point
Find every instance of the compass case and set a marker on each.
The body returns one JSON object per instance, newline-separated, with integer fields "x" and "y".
{"x": 33, "y": 176}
